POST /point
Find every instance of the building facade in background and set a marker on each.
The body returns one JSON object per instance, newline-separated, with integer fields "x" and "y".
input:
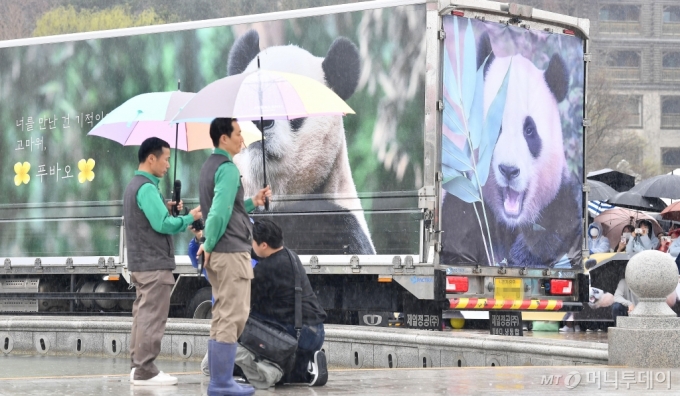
{"x": 635, "y": 46}
{"x": 638, "y": 43}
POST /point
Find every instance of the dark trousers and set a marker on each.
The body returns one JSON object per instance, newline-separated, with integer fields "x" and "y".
{"x": 149, "y": 316}
{"x": 619, "y": 309}
{"x": 311, "y": 340}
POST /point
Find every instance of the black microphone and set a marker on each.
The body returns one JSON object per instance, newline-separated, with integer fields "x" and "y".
{"x": 201, "y": 259}
{"x": 175, "y": 197}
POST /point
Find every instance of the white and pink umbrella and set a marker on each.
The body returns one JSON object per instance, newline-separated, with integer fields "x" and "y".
{"x": 149, "y": 114}
{"x": 263, "y": 95}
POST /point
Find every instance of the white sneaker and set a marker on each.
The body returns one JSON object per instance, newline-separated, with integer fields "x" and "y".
{"x": 566, "y": 329}
{"x": 132, "y": 374}
{"x": 160, "y": 379}
{"x": 318, "y": 369}
{"x": 166, "y": 375}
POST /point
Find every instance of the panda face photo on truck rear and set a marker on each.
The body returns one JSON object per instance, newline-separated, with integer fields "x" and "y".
{"x": 514, "y": 104}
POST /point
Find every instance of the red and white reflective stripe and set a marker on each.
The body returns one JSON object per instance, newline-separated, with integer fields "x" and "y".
{"x": 491, "y": 303}
{"x": 458, "y": 284}
{"x": 561, "y": 286}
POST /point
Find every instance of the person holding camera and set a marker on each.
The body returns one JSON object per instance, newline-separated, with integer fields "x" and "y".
{"x": 273, "y": 300}
{"x": 642, "y": 238}
{"x": 226, "y": 251}
{"x": 626, "y": 234}
{"x": 664, "y": 242}
{"x": 151, "y": 258}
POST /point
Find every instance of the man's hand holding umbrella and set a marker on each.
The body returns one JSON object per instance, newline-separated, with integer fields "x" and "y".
{"x": 259, "y": 198}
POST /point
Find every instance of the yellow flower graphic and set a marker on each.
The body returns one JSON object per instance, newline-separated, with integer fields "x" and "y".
{"x": 21, "y": 171}
{"x": 86, "y": 170}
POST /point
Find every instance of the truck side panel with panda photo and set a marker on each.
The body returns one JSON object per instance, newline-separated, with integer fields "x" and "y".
{"x": 455, "y": 186}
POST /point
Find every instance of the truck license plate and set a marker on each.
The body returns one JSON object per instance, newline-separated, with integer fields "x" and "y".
{"x": 508, "y": 289}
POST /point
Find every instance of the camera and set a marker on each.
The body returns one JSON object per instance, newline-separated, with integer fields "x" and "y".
{"x": 638, "y": 231}
{"x": 198, "y": 225}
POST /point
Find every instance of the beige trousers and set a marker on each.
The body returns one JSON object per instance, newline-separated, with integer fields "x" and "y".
{"x": 149, "y": 316}
{"x": 230, "y": 275}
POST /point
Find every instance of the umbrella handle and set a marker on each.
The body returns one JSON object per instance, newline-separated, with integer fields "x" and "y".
{"x": 266, "y": 203}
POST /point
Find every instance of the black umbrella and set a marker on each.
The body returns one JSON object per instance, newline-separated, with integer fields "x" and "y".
{"x": 619, "y": 181}
{"x": 664, "y": 186}
{"x": 633, "y": 200}
{"x": 600, "y": 191}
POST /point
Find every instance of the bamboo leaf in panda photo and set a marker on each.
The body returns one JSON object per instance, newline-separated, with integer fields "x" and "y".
{"x": 452, "y": 120}
{"x": 469, "y": 68}
{"x": 475, "y": 184}
{"x": 456, "y": 46}
{"x": 452, "y": 92}
{"x": 476, "y": 118}
{"x": 492, "y": 126}
{"x": 463, "y": 188}
{"x": 454, "y": 157}
{"x": 449, "y": 174}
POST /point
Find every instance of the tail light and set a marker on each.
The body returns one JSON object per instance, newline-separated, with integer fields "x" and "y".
{"x": 457, "y": 284}
{"x": 561, "y": 287}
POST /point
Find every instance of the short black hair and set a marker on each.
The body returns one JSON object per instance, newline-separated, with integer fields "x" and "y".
{"x": 220, "y": 126}
{"x": 646, "y": 223}
{"x": 628, "y": 227}
{"x": 267, "y": 231}
{"x": 152, "y": 145}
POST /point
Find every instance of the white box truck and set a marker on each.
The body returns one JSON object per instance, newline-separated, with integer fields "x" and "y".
{"x": 456, "y": 186}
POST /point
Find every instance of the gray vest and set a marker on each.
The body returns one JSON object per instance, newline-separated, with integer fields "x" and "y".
{"x": 147, "y": 250}
{"x": 239, "y": 233}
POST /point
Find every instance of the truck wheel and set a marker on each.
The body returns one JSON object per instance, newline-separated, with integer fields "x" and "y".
{"x": 200, "y": 306}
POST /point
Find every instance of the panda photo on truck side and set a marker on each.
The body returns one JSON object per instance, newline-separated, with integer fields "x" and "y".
{"x": 307, "y": 155}
{"x": 532, "y": 197}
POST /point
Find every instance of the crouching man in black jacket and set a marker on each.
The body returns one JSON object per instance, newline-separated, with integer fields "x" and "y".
{"x": 273, "y": 297}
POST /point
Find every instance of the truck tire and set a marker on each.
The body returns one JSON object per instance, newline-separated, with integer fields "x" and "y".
{"x": 200, "y": 306}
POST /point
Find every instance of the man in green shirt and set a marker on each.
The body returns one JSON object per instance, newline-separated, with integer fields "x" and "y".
{"x": 228, "y": 241}
{"x": 151, "y": 259}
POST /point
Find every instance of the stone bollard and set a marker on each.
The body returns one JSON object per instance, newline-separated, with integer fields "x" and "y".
{"x": 650, "y": 335}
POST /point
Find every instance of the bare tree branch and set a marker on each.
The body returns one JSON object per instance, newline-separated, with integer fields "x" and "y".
{"x": 609, "y": 140}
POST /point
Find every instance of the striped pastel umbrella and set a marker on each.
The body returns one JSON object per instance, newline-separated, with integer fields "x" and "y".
{"x": 263, "y": 95}
{"x": 149, "y": 114}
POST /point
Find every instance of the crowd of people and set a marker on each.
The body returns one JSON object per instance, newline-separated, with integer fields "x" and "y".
{"x": 251, "y": 272}
{"x": 634, "y": 239}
